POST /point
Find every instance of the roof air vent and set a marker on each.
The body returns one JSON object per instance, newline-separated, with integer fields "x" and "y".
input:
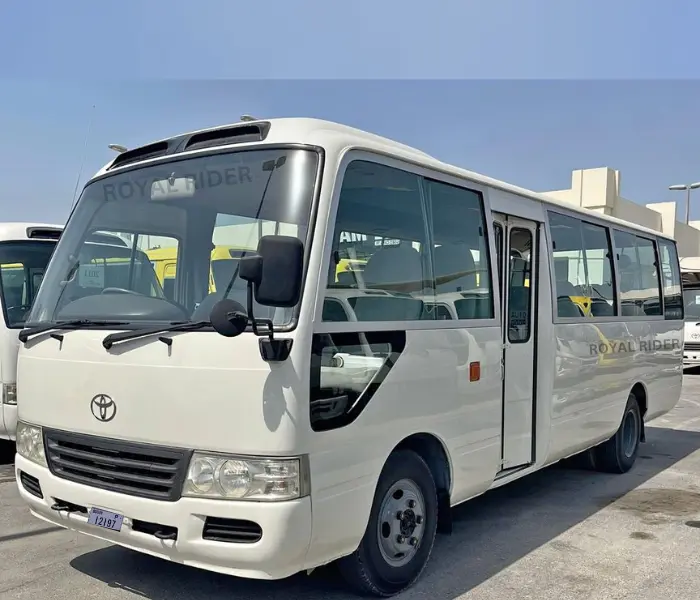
{"x": 236, "y": 134}
{"x": 142, "y": 153}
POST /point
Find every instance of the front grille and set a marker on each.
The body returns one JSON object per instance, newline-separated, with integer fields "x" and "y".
{"x": 31, "y": 484}
{"x": 692, "y": 346}
{"x": 134, "y": 469}
{"x": 231, "y": 530}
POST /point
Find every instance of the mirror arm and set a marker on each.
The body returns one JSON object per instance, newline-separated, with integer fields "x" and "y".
{"x": 271, "y": 349}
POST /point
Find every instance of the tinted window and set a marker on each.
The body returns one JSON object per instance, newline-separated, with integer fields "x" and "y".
{"x": 381, "y": 225}
{"x": 582, "y": 256}
{"x": 671, "y": 275}
{"x": 639, "y": 277}
{"x": 22, "y": 266}
{"x": 403, "y": 242}
{"x": 519, "y": 289}
{"x": 460, "y": 251}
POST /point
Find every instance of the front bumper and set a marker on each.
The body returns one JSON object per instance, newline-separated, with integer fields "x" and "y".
{"x": 691, "y": 357}
{"x": 280, "y": 552}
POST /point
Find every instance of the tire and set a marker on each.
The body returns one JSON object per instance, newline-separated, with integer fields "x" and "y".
{"x": 405, "y": 486}
{"x": 619, "y": 453}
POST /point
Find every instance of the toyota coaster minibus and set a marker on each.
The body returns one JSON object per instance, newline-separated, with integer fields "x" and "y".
{"x": 292, "y": 418}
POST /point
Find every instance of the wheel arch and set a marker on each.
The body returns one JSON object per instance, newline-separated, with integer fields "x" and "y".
{"x": 434, "y": 452}
{"x": 639, "y": 390}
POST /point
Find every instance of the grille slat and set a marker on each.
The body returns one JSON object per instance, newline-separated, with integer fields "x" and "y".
{"x": 31, "y": 484}
{"x": 692, "y": 346}
{"x": 134, "y": 469}
{"x": 111, "y": 473}
{"x": 115, "y": 461}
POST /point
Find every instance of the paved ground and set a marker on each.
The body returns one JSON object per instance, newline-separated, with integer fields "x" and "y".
{"x": 560, "y": 534}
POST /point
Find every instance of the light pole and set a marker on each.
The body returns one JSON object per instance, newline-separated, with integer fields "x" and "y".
{"x": 687, "y": 187}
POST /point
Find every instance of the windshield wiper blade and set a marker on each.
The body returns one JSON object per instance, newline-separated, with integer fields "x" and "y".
{"x": 122, "y": 336}
{"x": 28, "y": 332}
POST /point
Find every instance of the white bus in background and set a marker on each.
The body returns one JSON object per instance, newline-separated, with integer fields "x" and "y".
{"x": 25, "y": 250}
{"x": 291, "y": 420}
{"x": 690, "y": 272}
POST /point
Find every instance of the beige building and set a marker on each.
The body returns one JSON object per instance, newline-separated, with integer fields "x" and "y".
{"x": 599, "y": 190}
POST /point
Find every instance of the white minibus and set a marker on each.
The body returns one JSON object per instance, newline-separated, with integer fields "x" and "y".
{"x": 690, "y": 273}
{"x": 25, "y": 250}
{"x": 292, "y": 418}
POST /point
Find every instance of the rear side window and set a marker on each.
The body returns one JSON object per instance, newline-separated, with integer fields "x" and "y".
{"x": 637, "y": 264}
{"x": 671, "y": 278}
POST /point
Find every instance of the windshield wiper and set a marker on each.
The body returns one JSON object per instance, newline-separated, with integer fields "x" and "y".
{"x": 122, "y": 336}
{"x": 28, "y": 332}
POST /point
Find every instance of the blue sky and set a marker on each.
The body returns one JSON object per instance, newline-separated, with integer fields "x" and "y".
{"x": 523, "y": 91}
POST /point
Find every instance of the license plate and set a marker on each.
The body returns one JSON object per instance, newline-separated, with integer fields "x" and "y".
{"x": 105, "y": 519}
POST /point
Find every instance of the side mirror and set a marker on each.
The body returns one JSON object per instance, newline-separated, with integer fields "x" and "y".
{"x": 275, "y": 272}
{"x": 228, "y": 318}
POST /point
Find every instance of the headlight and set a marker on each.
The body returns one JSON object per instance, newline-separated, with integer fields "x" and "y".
{"x": 242, "y": 478}
{"x": 9, "y": 393}
{"x": 30, "y": 443}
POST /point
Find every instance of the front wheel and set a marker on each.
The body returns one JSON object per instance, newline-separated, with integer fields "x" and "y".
{"x": 619, "y": 453}
{"x": 401, "y": 530}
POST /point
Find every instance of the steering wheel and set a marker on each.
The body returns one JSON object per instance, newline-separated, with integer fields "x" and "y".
{"x": 116, "y": 290}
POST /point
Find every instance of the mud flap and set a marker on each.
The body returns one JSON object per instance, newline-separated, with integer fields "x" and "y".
{"x": 444, "y": 513}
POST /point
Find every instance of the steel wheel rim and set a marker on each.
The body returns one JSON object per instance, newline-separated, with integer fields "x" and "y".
{"x": 401, "y": 523}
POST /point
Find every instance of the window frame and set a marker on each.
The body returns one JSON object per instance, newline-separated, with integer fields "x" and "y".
{"x": 3, "y": 306}
{"x": 608, "y": 227}
{"x": 531, "y": 296}
{"x": 660, "y": 241}
{"x": 424, "y": 173}
{"x": 659, "y": 275}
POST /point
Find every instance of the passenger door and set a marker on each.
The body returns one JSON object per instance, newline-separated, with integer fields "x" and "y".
{"x": 516, "y": 241}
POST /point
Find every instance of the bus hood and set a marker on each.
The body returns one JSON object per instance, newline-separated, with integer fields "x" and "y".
{"x": 204, "y": 391}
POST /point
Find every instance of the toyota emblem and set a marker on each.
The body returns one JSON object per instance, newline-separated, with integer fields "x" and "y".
{"x": 103, "y": 408}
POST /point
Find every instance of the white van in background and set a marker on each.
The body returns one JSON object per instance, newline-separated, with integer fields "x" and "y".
{"x": 25, "y": 250}
{"x": 690, "y": 274}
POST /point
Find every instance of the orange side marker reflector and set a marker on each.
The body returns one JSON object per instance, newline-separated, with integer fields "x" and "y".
{"x": 474, "y": 371}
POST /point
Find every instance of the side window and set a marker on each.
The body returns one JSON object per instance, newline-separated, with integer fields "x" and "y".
{"x": 640, "y": 290}
{"x": 582, "y": 254}
{"x": 671, "y": 274}
{"x": 519, "y": 290}
{"x": 569, "y": 269}
{"x": 14, "y": 285}
{"x": 599, "y": 270}
{"x": 460, "y": 250}
{"x": 381, "y": 242}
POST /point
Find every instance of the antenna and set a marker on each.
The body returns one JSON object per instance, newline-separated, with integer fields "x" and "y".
{"x": 117, "y": 148}
{"x": 82, "y": 160}
{"x": 248, "y": 118}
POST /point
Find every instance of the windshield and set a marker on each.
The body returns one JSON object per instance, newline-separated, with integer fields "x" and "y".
{"x": 22, "y": 266}
{"x": 161, "y": 243}
{"x": 691, "y": 300}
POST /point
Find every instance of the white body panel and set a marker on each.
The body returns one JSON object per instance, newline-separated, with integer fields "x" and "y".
{"x": 691, "y": 343}
{"x": 553, "y": 396}
{"x": 9, "y": 344}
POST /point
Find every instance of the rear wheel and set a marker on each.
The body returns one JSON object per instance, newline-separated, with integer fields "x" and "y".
{"x": 401, "y": 530}
{"x": 619, "y": 453}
